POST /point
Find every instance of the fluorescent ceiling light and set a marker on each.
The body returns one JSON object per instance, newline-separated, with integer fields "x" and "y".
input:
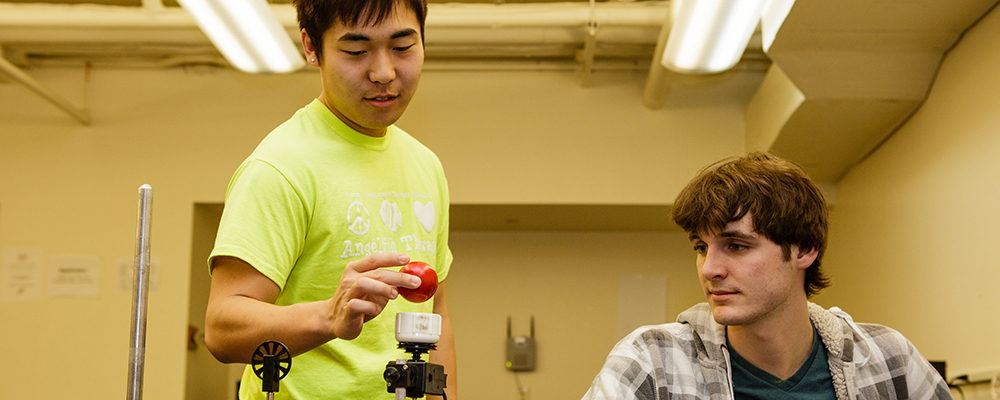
{"x": 709, "y": 36}
{"x": 247, "y": 33}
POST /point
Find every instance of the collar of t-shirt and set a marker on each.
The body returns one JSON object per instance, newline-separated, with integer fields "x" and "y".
{"x": 328, "y": 118}
{"x": 811, "y": 381}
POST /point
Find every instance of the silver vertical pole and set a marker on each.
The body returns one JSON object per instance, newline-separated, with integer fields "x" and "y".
{"x": 137, "y": 349}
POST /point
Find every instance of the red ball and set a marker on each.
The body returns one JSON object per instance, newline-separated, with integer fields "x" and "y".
{"x": 428, "y": 282}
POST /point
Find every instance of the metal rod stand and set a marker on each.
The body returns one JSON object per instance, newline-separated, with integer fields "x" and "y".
{"x": 137, "y": 349}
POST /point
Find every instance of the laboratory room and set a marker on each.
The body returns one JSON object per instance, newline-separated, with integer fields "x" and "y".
{"x": 273, "y": 199}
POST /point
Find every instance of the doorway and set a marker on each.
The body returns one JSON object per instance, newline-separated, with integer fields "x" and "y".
{"x": 206, "y": 377}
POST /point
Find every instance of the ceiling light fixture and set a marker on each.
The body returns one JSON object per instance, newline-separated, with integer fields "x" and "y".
{"x": 247, "y": 33}
{"x": 709, "y": 36}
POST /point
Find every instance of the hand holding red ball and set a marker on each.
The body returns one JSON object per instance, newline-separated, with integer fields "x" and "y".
{"x": 428, "y": 282}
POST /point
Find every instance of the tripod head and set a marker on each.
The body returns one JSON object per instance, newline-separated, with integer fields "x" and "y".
{"x": 417, "y": 334}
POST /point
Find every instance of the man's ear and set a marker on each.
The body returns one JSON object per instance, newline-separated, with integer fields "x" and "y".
{"x": 804, "y": 257}
{"x": 310, "y": 51}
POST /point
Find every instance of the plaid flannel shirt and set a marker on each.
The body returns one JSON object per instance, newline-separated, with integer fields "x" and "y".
{"x": 689, "y": 360}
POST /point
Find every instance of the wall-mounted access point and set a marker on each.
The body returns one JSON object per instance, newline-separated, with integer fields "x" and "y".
{"x": 521, "y": 349}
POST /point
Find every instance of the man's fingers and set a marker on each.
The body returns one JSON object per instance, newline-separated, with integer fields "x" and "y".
{"x": 372, "y": 286}
{"x": 387, "y": 277}
{"x": 394, "y": 278}
{"x": 365, "y": 308}
{"x": 365, "y": 288}
{"x": 378, "y": 260}
{"x": 354, "y": 313}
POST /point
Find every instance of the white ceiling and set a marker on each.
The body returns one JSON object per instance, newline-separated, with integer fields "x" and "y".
{"x": 842, "y": 74}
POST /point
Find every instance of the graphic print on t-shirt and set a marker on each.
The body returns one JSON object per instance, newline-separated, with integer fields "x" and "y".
{"x": 425, "y": 214}
{"x": 391, "y": 217}
{"x": 400, "y": 224}
{"x": 358, "y": 218}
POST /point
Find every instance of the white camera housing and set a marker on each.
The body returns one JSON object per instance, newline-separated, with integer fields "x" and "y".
{"x": 418, "y": 328}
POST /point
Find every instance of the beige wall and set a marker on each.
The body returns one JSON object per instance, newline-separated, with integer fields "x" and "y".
{"x": 71, "y": 190}
{"x": 569, "y": 282}
{"x": 910, "y": 244}
{"x": 529, "y": 138}
{"x": 914, "y": 238}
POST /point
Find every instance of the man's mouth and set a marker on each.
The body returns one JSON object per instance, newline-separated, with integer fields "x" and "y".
{"x": 719, "y": 295}
{"x": 381, "y": 101}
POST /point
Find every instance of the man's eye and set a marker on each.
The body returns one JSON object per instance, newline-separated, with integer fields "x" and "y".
{"x": 354, "y": 53}
{"x": 404, "y": 48}
{"x": 700, "y": 248}
{"x": 738, "y": 247}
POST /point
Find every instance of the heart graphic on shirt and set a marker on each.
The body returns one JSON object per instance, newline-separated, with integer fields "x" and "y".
{"x": 425, "y": 214}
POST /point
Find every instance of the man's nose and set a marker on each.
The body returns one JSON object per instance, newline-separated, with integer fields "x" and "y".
{"x": 713, "y": 266}
{"x": 383, "y": 69}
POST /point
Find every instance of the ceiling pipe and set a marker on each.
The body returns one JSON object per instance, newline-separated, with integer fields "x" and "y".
{"x": 437, "y": 65}
{"x": 446, "y": 23}
{"x": 449, "y": 15}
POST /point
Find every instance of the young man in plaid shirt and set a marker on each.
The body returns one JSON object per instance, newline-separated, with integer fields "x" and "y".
{"x": 759, "y": 227}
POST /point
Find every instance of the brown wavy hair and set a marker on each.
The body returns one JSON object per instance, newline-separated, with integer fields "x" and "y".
{"x": 784, "y": 204}
{"x": 317, "y": 16}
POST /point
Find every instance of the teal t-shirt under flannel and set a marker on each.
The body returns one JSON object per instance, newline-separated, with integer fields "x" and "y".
{"x": 811, "y": 382}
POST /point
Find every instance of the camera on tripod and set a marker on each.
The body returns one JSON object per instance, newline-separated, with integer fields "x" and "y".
{"x": 417, "y": 334}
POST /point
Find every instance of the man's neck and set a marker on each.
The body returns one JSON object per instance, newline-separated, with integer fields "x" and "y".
{"x": 373, "y": 132}
{"x": 779, "y": 344}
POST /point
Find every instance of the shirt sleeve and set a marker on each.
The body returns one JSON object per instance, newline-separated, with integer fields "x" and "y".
{"x": 264, "y": 221}
{"x": 893, "y": 365}
{"x": 656, "y": 363}
{"x": 627, "y": 374}
{"x": 444, "y": 256}
{"x": 924, "y": 382}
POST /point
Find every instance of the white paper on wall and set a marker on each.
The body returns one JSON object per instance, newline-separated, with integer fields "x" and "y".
{"x": 642, "y": 300}
{"x": 21, "y": 275}
{"x": 74, "y": 276}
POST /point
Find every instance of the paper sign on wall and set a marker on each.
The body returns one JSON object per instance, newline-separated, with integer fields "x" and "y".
{"x": 21, "y": 275}
{"x": 642, "y": 300}
{"x": 74, "y": 276}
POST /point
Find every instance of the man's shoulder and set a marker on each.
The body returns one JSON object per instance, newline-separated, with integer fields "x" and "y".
{"x": 692, "y": 330}
{"x": 887, "y": 339}
{"x": 404, "y": 138}
{"x": 290, "y": 138}
{"x": 654, "y": 347}
{"x": 877, "y": 329}
{"x": 838, "y": 326}
{"x": 665, "y": 335}
{"x": 656, "y": 361}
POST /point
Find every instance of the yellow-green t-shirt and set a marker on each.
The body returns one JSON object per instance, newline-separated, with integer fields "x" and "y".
{"x": 315, "y": 195}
